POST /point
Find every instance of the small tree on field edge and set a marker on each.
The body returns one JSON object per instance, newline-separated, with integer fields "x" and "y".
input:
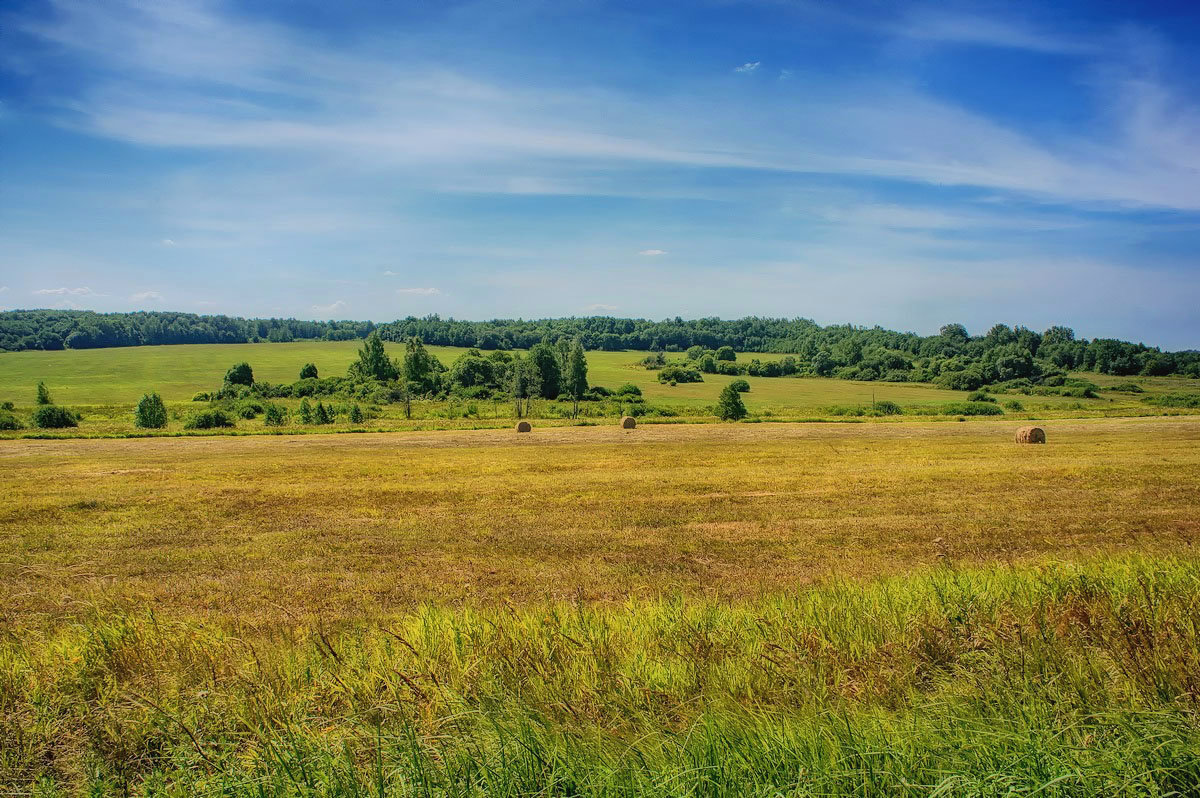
{"x": 151, "y": 413}
{"x": 239, "y": 374}
{"x": 309, "y": 371}
{"x": 274, "y": 415}
{"x": 729, "y": 405}
{"x": 306, "y": 412}
{"x": 43, "y": 395}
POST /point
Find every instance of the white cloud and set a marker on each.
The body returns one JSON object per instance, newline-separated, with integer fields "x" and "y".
{"x": 600, "y": 307}
{"x": 335, "y": 307}
{"x": 418, "y": 291}
{"x": 390, "y": 273}
{"x": 166, "y": 242}
{"x": 3, "y": 288}
{"x": 146, "y": 296}
{"x": 165, "y": 73}
{"x": 66, "y": 292}
{"x": 938, "y": 26}
{"x": 653, "y": 252}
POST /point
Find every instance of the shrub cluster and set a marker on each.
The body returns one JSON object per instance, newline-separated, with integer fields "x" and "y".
{"x": 209, "y": 419}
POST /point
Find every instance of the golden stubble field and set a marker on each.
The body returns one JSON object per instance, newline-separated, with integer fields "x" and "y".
{"x": 263, "y": 530}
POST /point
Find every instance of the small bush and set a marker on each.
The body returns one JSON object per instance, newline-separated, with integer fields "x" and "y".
{"x": 675, "y": 374}
{"x": 209, "y": 419}
{"x": 274, "y": 415}
{"x": 239, "y": 374}
{"x": 323, "y": 414}
{"x": 150, "y": 413}
{"x": 1191, "y": 400}
{"x": 9, "y": 406}
{"x": 250, "y": 409}
{"x": 629, "y": 389}
{"x": 886, "y": 407}
{"x": 1128, "y": 387}
{"x": 972, "y": 409}
{"x": 54, "y": 417}
{"x": 741, "y": 386}
{"x": 203, "y": 396}
{"x": 1013, "y": 404}
{"x": 356, "y": 413}
{"x": 980, "y": 396}
{"x": 309, "y": 372}
{"x": 43, "y": 394}
{"x": 9, "y": 422}
{"x": 306, "y": 412}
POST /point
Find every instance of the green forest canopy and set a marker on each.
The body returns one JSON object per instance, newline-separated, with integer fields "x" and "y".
{"x": 836, "y": 350}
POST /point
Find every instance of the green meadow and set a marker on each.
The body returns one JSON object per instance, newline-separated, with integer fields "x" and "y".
{"x": 106, "y": 383}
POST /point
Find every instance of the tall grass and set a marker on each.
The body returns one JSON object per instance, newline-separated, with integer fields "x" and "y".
{"x": 1060, "y": 680}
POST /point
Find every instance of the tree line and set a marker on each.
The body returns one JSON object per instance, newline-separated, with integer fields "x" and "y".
{"x": 849, "y": 351}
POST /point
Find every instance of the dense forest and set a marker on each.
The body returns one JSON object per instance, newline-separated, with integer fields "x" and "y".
{"x": 847, "y": 351}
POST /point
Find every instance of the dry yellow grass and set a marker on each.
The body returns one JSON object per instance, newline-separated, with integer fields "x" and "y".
{"x": 261, "y": 529}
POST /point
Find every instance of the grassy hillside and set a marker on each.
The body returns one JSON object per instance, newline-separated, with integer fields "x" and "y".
{"x": 109, "y": 381}
{"x": 676, "y": 610}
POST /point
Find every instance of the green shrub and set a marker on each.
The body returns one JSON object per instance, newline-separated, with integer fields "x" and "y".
{"x": 43, "y": 394}
{"x": 209, "y": 419}
{"x": 150, "y": 413}
{"x": 846, "y": 410}
{"x": 675, "y": 374}
{"x": 741, "y": 386}
{"x": 1191, "y": 400}
{"x": 274, "y": 415}
{"x": 239, "y": 374}
{"x": 309, "y": 372}
{"x": 9, "y": 422}
{"x": 356, "y": 413}
{"x": 9, "y": 406}
{"x": 1128, "y": 387}
{"x": 980, "y": 396}
{"x": 323, "y": 414}
{"x": 1013, "y": 404}
{"x": 886, "y": 407}
{"x": 629, "y": 389}
{"x": 203, "y": 396}
{"x": 972, "y": 409}
{"x": 729, "y": 405}
{"x": 54, "y": 417}
{"x": 306, "y": 412}
{"x": 250, "y": 409}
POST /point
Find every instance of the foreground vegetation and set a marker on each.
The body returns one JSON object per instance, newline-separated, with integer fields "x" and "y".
{"x": 873, "y": 609}
{"x": 1060, "y": 681}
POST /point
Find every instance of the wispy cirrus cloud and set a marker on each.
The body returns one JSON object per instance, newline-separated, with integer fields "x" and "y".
{"x": 653, "y": 252}
{"x": 165, "y": 72}
{"x": 82, "y": 291}
{"x": 418, "y": 291}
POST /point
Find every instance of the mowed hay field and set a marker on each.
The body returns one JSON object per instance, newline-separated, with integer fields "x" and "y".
{"x": 673, "y": 610}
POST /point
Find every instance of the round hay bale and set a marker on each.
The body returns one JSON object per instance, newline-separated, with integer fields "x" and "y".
{"x": 628, "y": 422}
{"x": 1031, "y": 435}
{"x": 524, "y": 426}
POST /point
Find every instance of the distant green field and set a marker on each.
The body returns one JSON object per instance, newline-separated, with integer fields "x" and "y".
{"x": 109, "y": 382}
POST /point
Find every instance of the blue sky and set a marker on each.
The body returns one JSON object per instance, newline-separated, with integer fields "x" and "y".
{"x": 875, "y": 163}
